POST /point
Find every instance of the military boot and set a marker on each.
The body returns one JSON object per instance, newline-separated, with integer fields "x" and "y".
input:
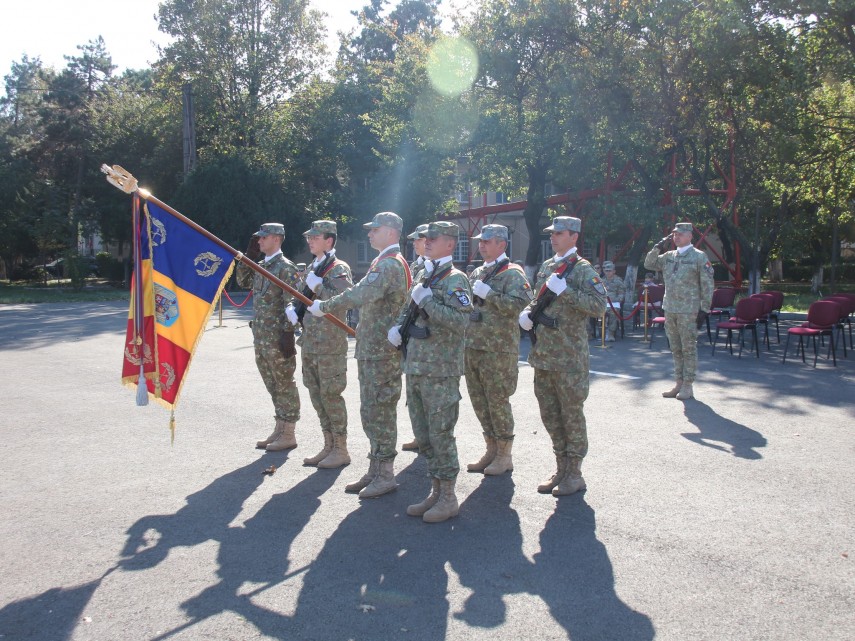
{"x": 672, "y": 393}
{"x": 503, "y": 461}
{"x": 555, "y": 479}
{"x": 486, "y": 458}
{"x": 412, "y": 446}
{"x": 383, "y": 483}
{"x": 320, "y": 456}
{"x": 357, "y": 486}
{"x": 277, "y": 431}
{"x": 446, "y": 507}
{"x": 338, "y": 457}
{"x": 286, "y": 439}
{"x": 572, "y": 481}
{"x": 420, "y": 508}
{"x": 686, "y": 392}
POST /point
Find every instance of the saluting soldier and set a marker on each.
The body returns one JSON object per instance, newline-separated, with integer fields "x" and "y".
{"x": 379, "y": 296}
{"x": 434, "y": 364}
{"x": 273, "y": 334}
{"x": 560, "y": 355}
{"x": 323, "y": 346}
{"x": 616, "y": 290}
{"x": 501, "y": 291}
{"x": 689, "y": 288}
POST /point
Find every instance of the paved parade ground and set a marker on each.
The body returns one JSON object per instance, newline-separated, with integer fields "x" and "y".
{"x": 731, "y": 516}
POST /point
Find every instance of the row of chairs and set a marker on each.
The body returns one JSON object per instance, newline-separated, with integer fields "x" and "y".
{"x": 827, "y": 317}
{"x": 754, "y": 310}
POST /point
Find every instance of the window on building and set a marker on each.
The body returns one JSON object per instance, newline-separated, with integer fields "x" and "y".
{"x": 461, "y": 250}
{"x": 362, "y": 253}
{"x": 545, "y": 249}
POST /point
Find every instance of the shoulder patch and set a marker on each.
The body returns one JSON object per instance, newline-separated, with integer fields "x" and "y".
{"x": 462, "y": 297}
{"x": 708, "y": 268}
{"x": 597, "y": 284}
{"x": 372, "y": 276}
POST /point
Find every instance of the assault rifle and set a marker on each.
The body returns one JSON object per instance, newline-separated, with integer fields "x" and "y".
{"x": 544, "y": 300}
{"x": 475, "y": 316}
{"x": 407, "y": 330}
{"x": 300, "y": 306}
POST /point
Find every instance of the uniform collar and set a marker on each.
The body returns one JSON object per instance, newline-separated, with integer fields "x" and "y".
{"x": 318, "y": 261}
{"x": 569, "y": 253}
{"x": 683, "y": 250}
{"x": 504, "y": 256}
{"x": 267, "y": 259}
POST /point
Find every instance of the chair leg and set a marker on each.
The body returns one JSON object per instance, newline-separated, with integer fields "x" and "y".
{"x": 786, "y": 347}
{"x": 814, "y": 351}
{"x": 715, "y": 341}
{"x": 802, "y": 347}
{"x": 756, "y": 343}
{"x": 777, "y": 329}
{"x": 741, "y": 340}
{"x": 834, "y": 351}
{"x": 709, "y": 331}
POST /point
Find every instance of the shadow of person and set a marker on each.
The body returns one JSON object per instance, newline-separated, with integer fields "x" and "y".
{"x": 488, "y": 556}
{"x": 53, "y": 614}
{"x": 381, "y": 574}
{"x": 205, "y": 517}
{"x": 714, "y": 429}
{"x": 257, "y": 552}
{"x": 574, "y": 577}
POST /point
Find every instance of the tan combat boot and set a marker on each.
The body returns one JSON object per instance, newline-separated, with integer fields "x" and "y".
{"x": 446, "y": 507}
{"x": 286, "y": 440}
{"x": 277, "y": 431}
{"x": 672, "y": 393}
{"x": 320, "y": 456}
{"x": 555, "y": 479}
{"x": 572, "y": 481}
{"x": 338, "y": 457}
{"x": 486, "y": 458}
{"x": 383, "y": 483}
{"x": 357, "y": 486}
{"x": 420, "y": 508}
{"x": 412, "y": 446}
{"x": 686, "y": 392}
{"x": 503, "y": 461}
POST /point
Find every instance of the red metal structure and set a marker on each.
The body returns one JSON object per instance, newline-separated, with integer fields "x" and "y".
{"x": 575, "y": 205}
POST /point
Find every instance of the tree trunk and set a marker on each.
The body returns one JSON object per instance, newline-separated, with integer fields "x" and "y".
{"x": 776, "y": 270}
{"x": 816, "y": 281}
{"x": 535, "y": 205}
{"x": 835, "y": 246}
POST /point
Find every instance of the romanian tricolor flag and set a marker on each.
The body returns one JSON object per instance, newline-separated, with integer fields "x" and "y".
{"x": 178, "y": 277}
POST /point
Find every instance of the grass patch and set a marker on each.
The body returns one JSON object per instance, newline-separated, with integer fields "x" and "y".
{"x": 797, "y": 296}
{"x": 59, "y": 292}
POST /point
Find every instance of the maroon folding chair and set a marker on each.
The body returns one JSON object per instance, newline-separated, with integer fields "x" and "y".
{"x": 847, "y": 306}
{"x": 658, "y": 321}
{"x": 721, "y": 305}
{"x": 768, "y": 307}
{"x": 748, "y": 310}
{"x": 823, "y": 318}
{"x": 776, "y": 311}
{"x": 655, "y": 294}
{"x": 851, "y": 308}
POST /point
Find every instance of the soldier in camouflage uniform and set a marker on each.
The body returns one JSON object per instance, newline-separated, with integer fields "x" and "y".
{"x": 616, "y": 290}
{"x": 273, "y": 335}
{"x": 688, "y": 292}
{"x": 434, "y": 364}
{"x": 324, "y": 346}
{"x": 379, "y": 296}
{"x": 560, "y": 356}
{"x": 501, "y": 291}
{"x": 415, "y": 268}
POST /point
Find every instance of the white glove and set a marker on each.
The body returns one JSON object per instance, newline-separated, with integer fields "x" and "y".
{"x": 481, "y": 289}
{"x": 420, "y": 293}
{"x": 291, "y": 314}
{"x": 428, "y": 266}
{"x": 313, "y": 281}
{"x": 394, "y": 336}
{"x": 315, "y": 308}
{"x": 525, "y": 321}
{"x": 556, "y": 284}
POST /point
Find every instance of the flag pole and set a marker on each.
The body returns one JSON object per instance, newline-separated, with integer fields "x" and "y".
{"x": 121, "y": 178}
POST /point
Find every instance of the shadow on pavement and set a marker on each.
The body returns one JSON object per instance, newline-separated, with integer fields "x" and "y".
{"x": 742, "y": 440}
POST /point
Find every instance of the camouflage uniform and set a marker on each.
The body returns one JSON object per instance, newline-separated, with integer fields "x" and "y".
{"x": 434, "y": 365}
{"x": 560, "y": 356}
{"x": 273, "y": 335}
{"x": 492, "y": 348}
{"x": 616, "y": 290}
{"x": 324, "y": 354}
{"x": 688, "y": 289}
{"x": 378, "y": 296}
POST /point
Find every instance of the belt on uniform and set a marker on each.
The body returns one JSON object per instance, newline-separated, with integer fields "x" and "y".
{"x": 419, "y": 332}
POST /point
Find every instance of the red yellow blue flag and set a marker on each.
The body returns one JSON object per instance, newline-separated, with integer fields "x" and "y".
{"x": 178, "y": 280}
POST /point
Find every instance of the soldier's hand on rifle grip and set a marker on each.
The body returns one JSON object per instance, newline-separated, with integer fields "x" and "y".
{"x": 315, "y": 309}
{"x": 291, "y": 314}
{"x": 253, "y": 251}
{"x": 313, "y": 281}
{"x": 481, "y": 289}
{"x": 394, "y": 336}
{"x": 428, "y": 265}
{"x": 525, "y": 321}
{"x": 556, "y": 284}
{"x": 420, "y": 293}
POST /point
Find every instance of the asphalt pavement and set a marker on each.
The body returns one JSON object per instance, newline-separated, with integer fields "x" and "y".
{"x": 730, "y": 516}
